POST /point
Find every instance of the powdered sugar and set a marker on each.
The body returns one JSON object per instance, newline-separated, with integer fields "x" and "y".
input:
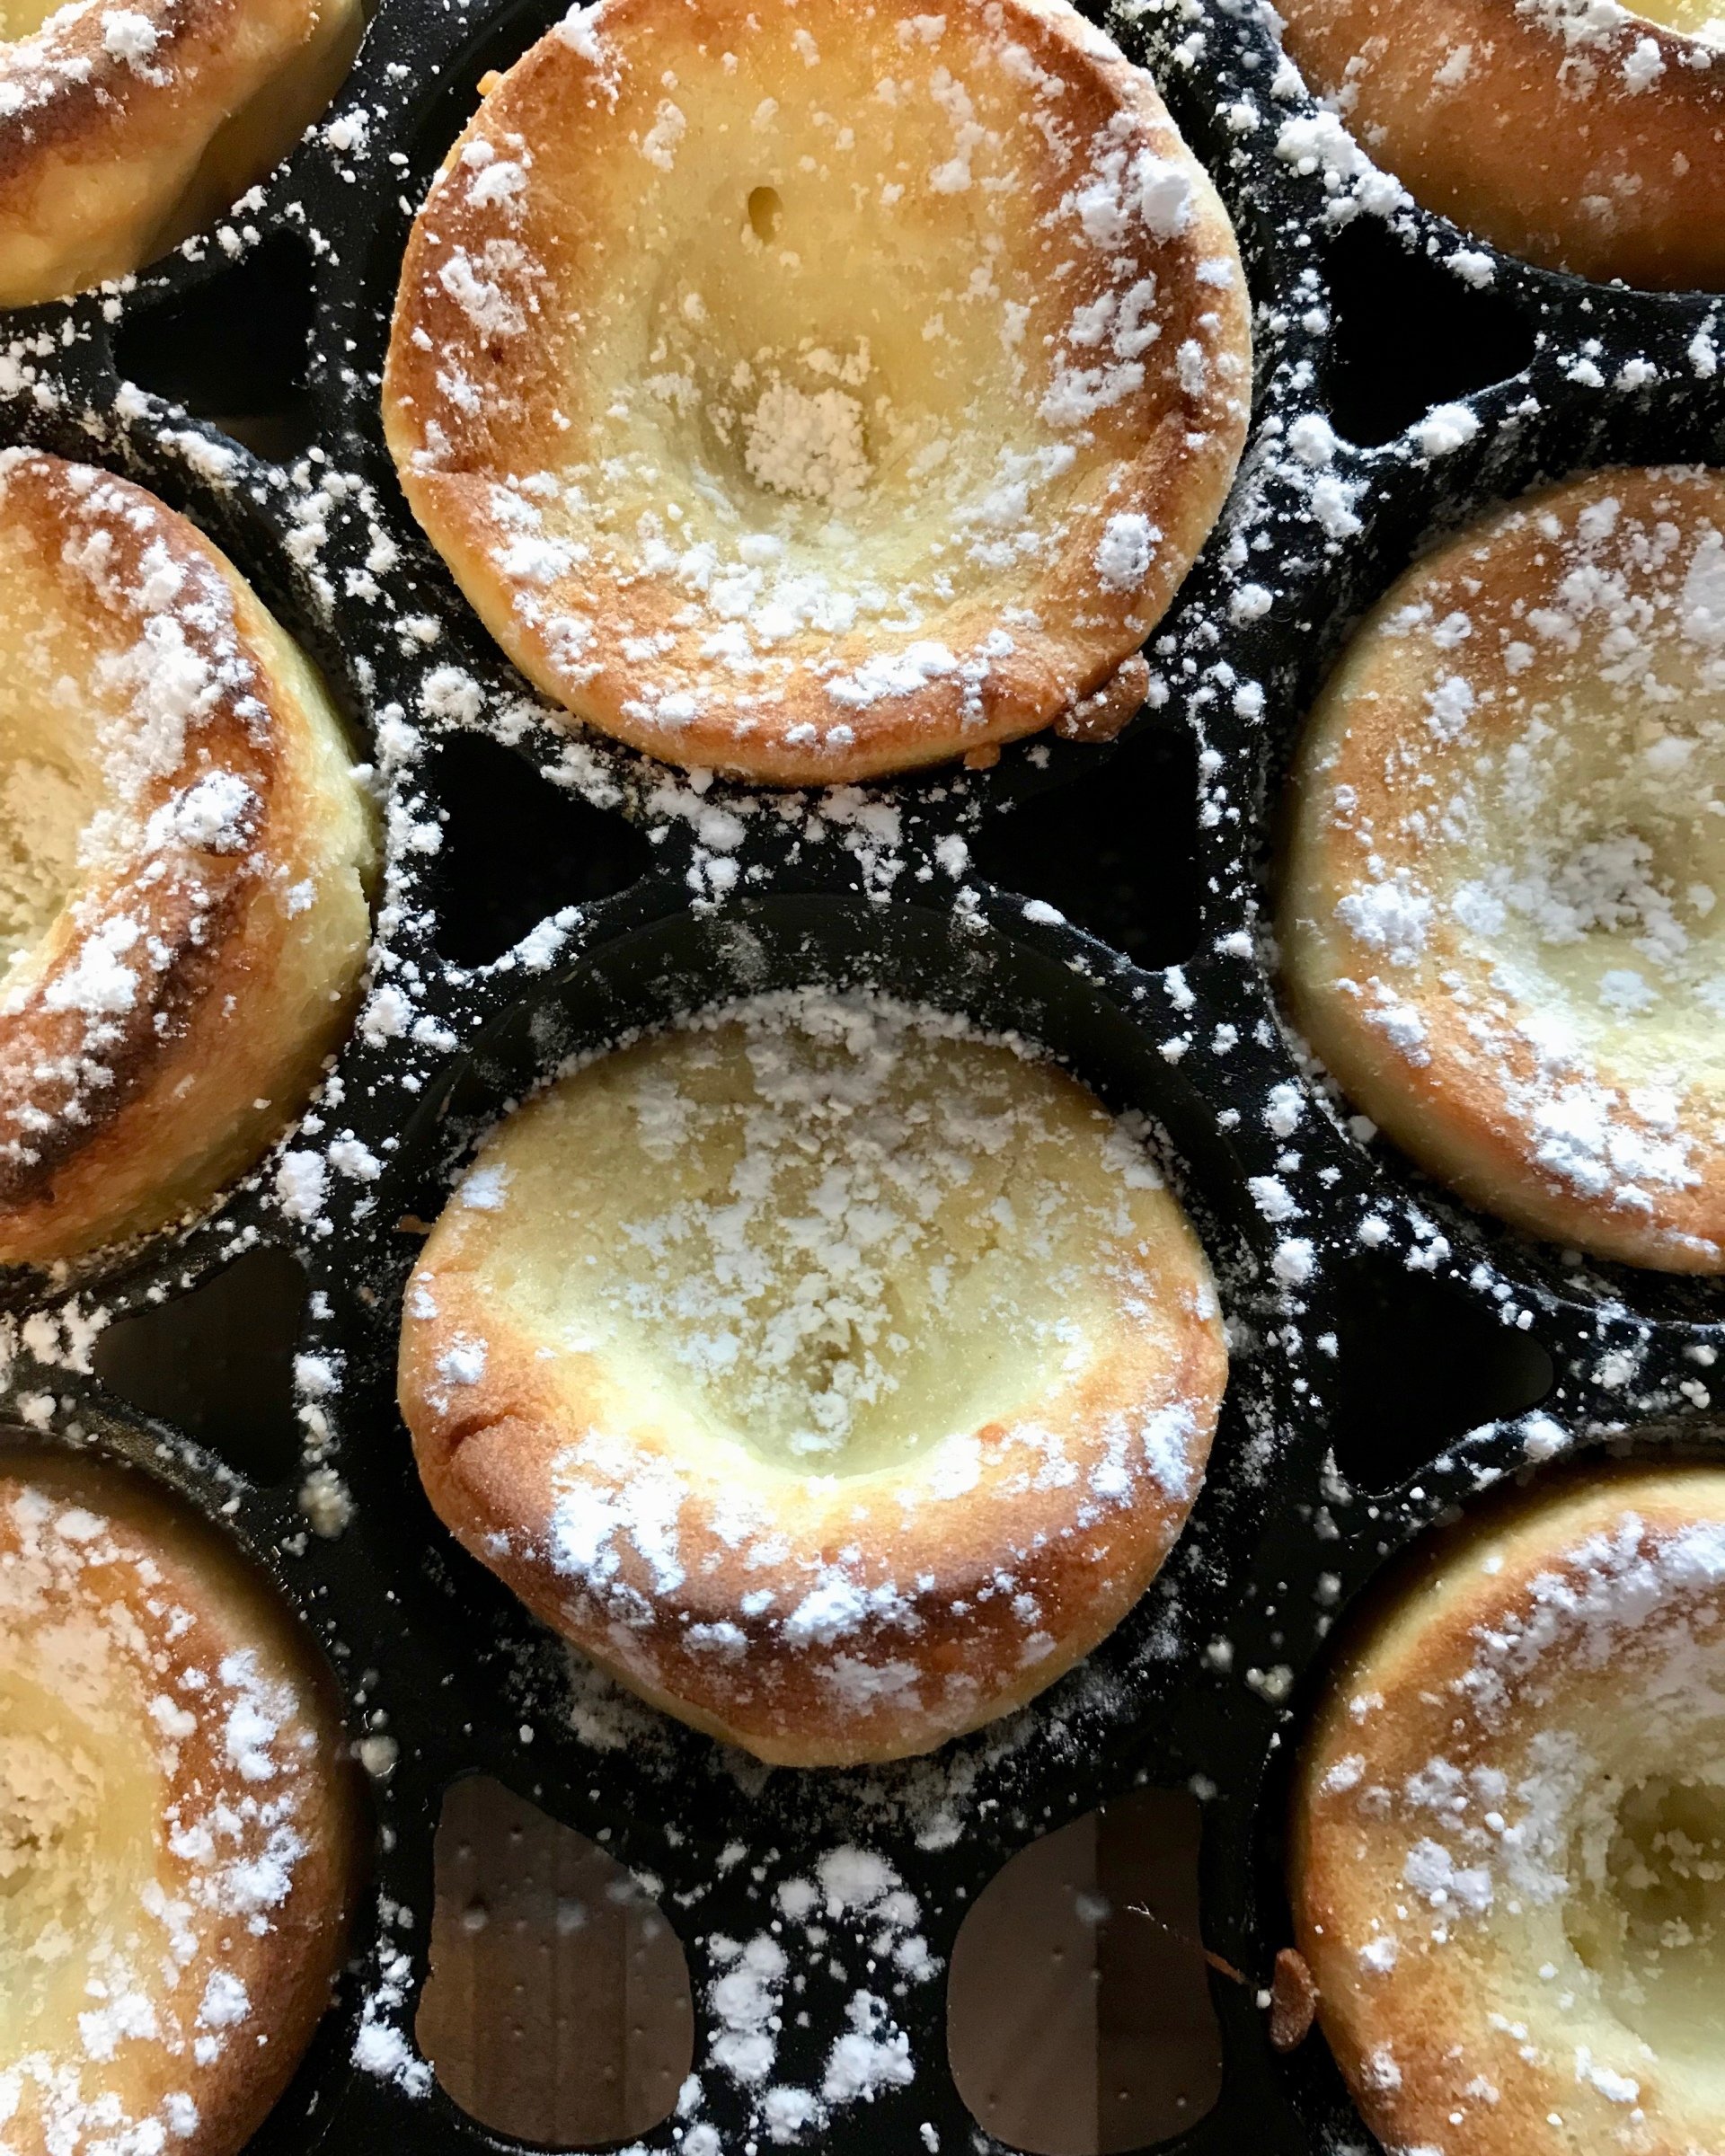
{"x": 860, "y": 1895}
{"x": 828, "y": 1164}
{"x": 1125, "y": 550}
{"x": 807, "y": 446}
{"x": 1562, "y": 1847}
{"x": 123, "y": 843}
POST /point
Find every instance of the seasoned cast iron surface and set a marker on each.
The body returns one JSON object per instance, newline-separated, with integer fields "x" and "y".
{"x": 1391, "y": 1352}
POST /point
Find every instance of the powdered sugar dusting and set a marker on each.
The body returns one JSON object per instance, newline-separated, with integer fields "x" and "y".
{"x": 148, "y": 808}
{"x": 1565, "y": 1843}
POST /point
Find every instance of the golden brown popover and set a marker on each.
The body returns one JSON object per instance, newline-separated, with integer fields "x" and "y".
{"x": 834, "y": 1376}
{"x": 813, "y": 390}
{"x": 185, "y": 853}
{"x": 1499, "y": 918}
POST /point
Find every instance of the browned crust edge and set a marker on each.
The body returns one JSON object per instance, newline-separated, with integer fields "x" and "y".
{"x": 1547, "y": 150}
{"x": 485, "y": 1454}
{"x": 290, "y": 1968}
{"x": 154, "y": 120}
{"x": 1421, "y": 1635}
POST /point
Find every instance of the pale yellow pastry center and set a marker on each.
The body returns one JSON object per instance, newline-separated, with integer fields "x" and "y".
{"x": 44, "y": 808}
{"x": 78, "y": 1794}
{"x": 1689, "y": 18}
{"x": 831, "y": 1242}
{"x": 1519, "y": 826}
{"x": 790, "y": 391}
{"x": 822, "y": 298}
{"x": 50, "y": 773}
{"x": 1594, "y": 861}
{"x": 1650, "y": 1921}
{"x": 20, "y": 19}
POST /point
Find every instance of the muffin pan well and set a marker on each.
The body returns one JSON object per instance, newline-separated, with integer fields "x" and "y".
{"x": 1393, "y": 1353}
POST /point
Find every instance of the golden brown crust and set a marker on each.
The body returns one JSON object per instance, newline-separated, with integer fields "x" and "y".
{"x": 1495, "y": 901}
{"x": 176, "y": 1776}
{"x": 1580, "y": 136}
{"x": 1007, "y": 616}
{"x": 209, "y": 948}
{"x": 1460, "y": 1892}
{"x": 122, "y": 129}
{"x": 814, "y": 1618}
{"x": 950, "y": 1655}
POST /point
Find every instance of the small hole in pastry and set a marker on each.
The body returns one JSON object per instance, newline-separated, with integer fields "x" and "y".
{"x": 1090, "y": 1938}
{"x": 558, "y": 2008}
{"x": 766, "y": 214}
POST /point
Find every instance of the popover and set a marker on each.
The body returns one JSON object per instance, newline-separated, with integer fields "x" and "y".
{"x": 811, "y": 391}
{"x": 124, "y": 128}
{"x": 1578, "y": 134}
{"x": 834, "y": 1376}
{"x": 1507, "y": 843}
{"x": 185, "y": 857}
{"x": 1508, "y": 1834}
{"x": 178, "y": 1832}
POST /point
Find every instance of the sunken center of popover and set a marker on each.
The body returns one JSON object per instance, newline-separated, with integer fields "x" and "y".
{"x": 831, "y": 1258}
{"x": 1704, "y": 19}
{"x": 1645, "y": 1910}
{"x": 1592, "y": 854}
{"x": 71, "y": 1799}
{"x": 790, "y": 381}
{"x": 51, "y": 781}
{"x": 20, "y": 19}
{"x": 46, "y": 798}
{"x": 834, "y": 1375}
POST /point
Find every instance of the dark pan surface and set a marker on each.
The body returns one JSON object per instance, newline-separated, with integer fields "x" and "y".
{"x": 1393, "y": 1354}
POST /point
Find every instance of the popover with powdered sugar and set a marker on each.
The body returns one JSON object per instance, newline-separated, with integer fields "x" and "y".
{"x": 1579, "y": 134}
{"x": 185, "y": 853}
{"x": 834, "y": 1376}
{"x": 123, "y": 129}
{"x": 810, "y": 390}
{"x": 1500, "y": 921}
{"x": 179, "y": 1837}
{"x": 1508, "y": 1849}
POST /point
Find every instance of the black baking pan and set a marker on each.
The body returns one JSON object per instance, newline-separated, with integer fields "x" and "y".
{"x": 1394, "y": 1354}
